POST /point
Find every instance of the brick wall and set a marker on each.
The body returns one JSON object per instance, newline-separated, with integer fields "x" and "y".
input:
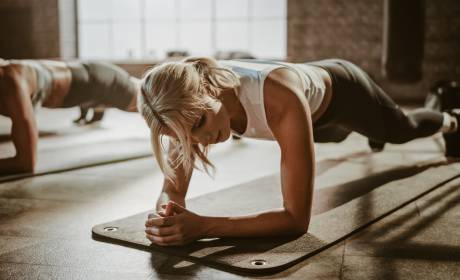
{"x": 352, "y": 30}
{"x": 34, "y": 29}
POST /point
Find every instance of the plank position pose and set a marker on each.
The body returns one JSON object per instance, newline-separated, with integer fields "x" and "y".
{"x": 28, "y": 84}
{"x": 199, "y": 101}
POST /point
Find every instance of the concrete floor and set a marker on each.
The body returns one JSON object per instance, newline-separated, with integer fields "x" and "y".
{"x": 45, "y": 221}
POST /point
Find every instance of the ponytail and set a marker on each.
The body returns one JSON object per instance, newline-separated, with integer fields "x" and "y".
{"x": 215, "y": 78}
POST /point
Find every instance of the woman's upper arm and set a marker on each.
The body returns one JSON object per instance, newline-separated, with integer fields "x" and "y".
{"x": 294, "y": 133}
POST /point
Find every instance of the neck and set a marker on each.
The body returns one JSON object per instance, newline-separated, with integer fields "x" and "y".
{"x": 234, "y": 109}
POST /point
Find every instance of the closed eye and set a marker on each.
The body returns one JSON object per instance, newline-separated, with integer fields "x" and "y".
{"x": 200, "y": 121}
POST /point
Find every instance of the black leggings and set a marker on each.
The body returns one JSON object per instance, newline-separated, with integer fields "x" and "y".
{"x": 359, "y": 104}
{"x": 98, "y": 83}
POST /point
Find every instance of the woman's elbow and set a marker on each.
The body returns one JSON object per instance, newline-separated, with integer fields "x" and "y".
{"x": 299, "y": 225}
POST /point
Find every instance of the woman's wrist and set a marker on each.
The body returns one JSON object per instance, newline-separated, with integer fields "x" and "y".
{"x": 213, "y": 226}
{"x": 206, "y": 226}
{"x": 178, "y": 198}
{"x": 165, "y": 197}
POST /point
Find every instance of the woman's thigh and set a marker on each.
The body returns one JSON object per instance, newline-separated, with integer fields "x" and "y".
{"x": 363, "y": 106}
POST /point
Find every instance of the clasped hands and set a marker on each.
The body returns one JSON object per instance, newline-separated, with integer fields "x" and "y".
{"x": 174, "y": 225}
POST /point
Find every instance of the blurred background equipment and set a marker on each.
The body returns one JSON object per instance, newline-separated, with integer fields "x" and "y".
{"x": 403, "y": 40}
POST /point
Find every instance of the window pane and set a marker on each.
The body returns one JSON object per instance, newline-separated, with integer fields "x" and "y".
{"x": 94, "y": 10}
{"x": 228, "y": 9}
{"x": 126, "y": 40}
{"x": 94, "y": 40}
{"x": 160, "y": 38}
{"x": 232, "y": 35}
{"x": 195, "y": 37}
{"x": 160, "y": 9}
{"x": 112, "y": 28}
{"x": 269, "y": 39}
{"x": 195, "y": 9}
{"x": 269, "y": 8}
{"x": 126, "y": 9}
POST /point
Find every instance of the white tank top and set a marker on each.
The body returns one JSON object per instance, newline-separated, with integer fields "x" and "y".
{"x": 252, "y": 75}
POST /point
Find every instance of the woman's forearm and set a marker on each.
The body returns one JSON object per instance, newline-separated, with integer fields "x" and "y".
{"x": 270, "y": 223}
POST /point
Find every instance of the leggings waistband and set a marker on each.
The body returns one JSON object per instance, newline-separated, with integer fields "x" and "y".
{"x": 98, "y": 83}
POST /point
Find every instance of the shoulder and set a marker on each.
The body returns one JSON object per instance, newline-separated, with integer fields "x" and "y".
{"x": 283, "y": 94}
{"x": 287, "y": 111}
{"x": 15, "y": 75}
{"x": 16, "y": 82}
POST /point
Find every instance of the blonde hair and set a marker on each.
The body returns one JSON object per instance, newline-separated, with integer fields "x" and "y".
{"x": 173, "y": 95}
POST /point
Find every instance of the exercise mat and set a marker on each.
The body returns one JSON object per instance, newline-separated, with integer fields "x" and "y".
{"x": 270, "y": 255}
{"x": 72, "y": 157}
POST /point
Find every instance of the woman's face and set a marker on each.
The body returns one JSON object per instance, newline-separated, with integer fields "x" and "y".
{"x": 212, "y": 126}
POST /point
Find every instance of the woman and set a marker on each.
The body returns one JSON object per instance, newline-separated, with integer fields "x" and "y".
{"x": 28, "y": 84}
{"x": 199, "y": 101}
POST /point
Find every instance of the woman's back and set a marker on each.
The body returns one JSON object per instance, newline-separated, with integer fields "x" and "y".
{"x": 308, "y": 84}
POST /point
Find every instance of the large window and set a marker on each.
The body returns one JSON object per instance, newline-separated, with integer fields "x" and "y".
{"x": 136, "y": 29}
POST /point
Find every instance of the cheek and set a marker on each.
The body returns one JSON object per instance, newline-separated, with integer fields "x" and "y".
{"x": 225, "y": 121}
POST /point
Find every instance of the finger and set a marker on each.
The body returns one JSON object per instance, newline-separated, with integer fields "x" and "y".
{"x": 160, "y": 221}
{"x": 169, "y": 209}
{"x": 176, "y": 243}
{"x": 165, "y": 240}
{"x": 155, "y": 222}
{"x": 161, "y": 231}
{"x": 152, "y": 215}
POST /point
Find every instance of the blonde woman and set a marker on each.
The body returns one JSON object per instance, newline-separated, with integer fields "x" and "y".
{"x": 26, "y": 85}
{"x": 198, "y": 102}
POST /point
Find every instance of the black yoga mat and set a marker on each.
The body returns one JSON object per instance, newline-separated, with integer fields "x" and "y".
{"x": 72, "y": 157}
{"x": 270, "y": 255}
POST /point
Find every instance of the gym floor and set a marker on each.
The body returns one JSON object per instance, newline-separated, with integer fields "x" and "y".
{"x": 46, "y": 221}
